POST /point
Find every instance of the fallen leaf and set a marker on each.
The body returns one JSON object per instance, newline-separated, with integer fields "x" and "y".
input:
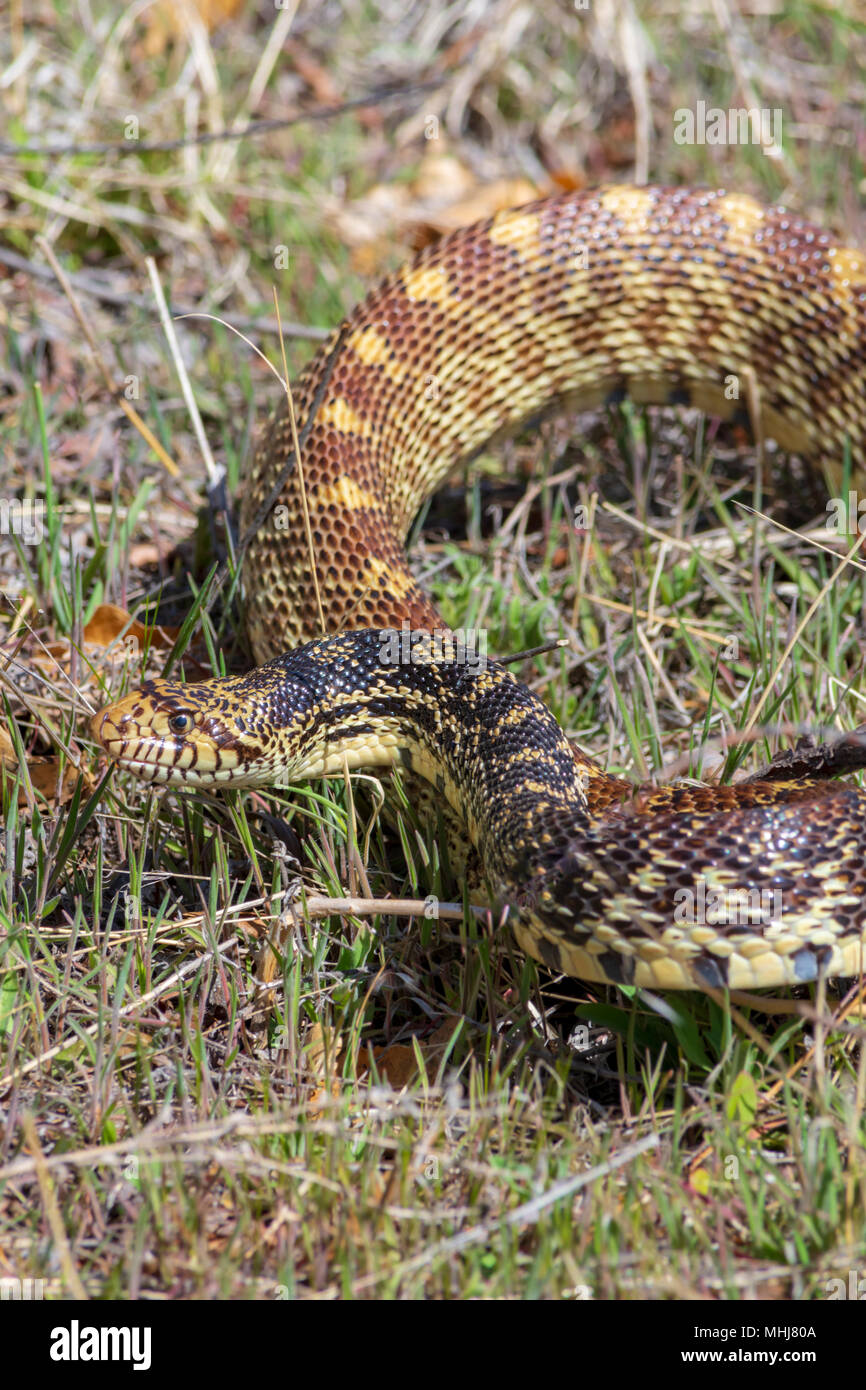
{"x": 701, "y": 1181}
{"x": 487, "y": 200}
{"x": 44, "y": 774}
{"x": 444, "y": 195}
{"x": 109, "y": 621}
{"x": 396, "y": 1064}
{"x": 165, "y": 22}
{"x": 323, "y": 1059}
{"x": 443, "y": 179}
{"x": 742, "y": 1104}
{"x": 144, "y": 554}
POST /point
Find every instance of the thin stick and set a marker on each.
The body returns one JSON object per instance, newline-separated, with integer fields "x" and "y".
{"x": 316, "y": 906}
{"x": 212, "y": 137}
{"x": 534, "y": 651}
{"x": 524, "y": 1215}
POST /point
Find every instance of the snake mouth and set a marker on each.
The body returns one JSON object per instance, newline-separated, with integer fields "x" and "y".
{"x": 168, "y": 775}
{"x": 144, "y": 771}
{"x": 171, "y": 777}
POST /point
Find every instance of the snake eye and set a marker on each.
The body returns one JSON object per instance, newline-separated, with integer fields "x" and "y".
{"x": 180, "y": 723}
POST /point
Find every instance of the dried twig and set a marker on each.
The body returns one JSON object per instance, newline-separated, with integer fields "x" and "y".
{"x": 126, "y": 299}
{"x": 212, "y": 137}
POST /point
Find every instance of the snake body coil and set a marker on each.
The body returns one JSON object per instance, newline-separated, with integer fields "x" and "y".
{"x": 665, "y": 296}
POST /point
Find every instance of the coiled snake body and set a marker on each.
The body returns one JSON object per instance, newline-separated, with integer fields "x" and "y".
{"x": 659, "y": 294}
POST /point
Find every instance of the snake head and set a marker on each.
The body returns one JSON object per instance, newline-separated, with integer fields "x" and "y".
{"x": 174, "y": 734}
{"x": 278, "y": 724}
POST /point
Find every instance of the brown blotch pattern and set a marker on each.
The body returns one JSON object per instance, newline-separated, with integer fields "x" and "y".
{"x": 661, "y": 294}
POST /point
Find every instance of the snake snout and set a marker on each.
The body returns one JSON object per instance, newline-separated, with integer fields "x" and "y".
{"x": 106, "y": 727}
{"x": 115, "y": 725}
{"x": 159, "y": 734}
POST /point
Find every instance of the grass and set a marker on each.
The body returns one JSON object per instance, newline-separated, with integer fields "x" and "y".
{"x": 392, "y": 1114}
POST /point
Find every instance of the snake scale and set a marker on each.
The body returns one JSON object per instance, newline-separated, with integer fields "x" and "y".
{"x": 660, "y": 295}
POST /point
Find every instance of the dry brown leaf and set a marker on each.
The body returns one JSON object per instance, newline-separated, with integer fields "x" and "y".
{"x": 44, "y": 773}
{"x": 398, "y": 1063}
{"x": 100, "y": 634}
{"x": 435, "y": 1046}
{"x": 374, "y": 217}
{"x": 567, "y": 180}
{"x": 444, "y": 195}
{"x": 109, "y": 621}
{"x": 143, "y": 554}
{"x": 165, "y": 21}
{"x": 484, "y": 202}
{"x": 443, "y": 178}
{"x": 395, "y": 1064}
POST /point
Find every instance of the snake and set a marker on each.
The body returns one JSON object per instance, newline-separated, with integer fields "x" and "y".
{"x": 662, "y": 296}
